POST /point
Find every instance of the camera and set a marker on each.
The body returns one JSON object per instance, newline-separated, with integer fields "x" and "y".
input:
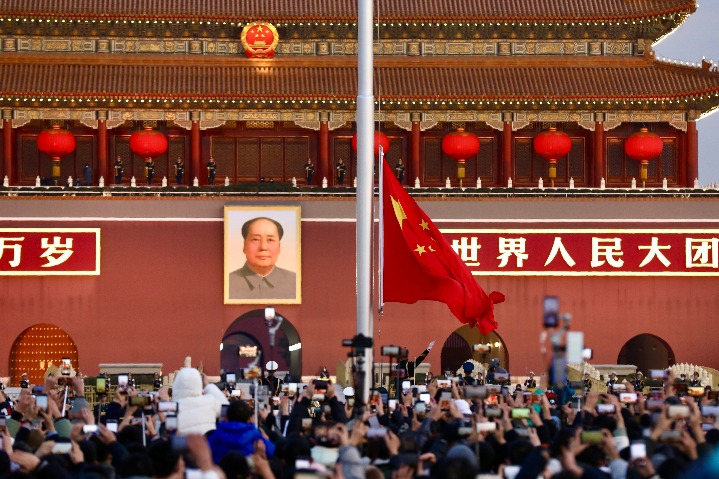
{"x": 475, "y": 392}
{"x": 394, "y": 351}
{"x": 167, "y": 406}
{"x": 320, "y": 386}
{"x": 592, "y": 437}
{"x": 140, "y": 401}
{"x": 662, "y": 374}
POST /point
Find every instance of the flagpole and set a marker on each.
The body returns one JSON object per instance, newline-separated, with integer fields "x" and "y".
{"x": 365, "y": 183}
{"x": 380, "y": 274}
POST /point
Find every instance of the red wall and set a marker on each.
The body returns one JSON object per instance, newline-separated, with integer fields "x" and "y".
{"x": 159, "y": 298}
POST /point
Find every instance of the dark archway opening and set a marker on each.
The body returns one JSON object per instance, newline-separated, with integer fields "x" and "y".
{"x": 247, "y": 340}
{"x": 646, "y": 351}
{"x": 459, "y": 347}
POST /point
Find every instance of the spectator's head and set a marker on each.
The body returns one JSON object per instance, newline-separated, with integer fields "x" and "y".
{"x": 136, "y": 464}
{"x": 239, "y": 411}
{"x": 234, "y": 465}
{"x": 165, "y": 460}
{"x": 262, "y": 244}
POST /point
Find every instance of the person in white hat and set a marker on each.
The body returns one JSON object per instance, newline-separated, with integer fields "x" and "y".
{"x": 349, "y": 393}
{"x": 274, "y": 383}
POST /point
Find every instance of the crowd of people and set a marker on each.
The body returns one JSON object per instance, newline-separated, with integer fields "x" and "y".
{"x": 447, "y": 427}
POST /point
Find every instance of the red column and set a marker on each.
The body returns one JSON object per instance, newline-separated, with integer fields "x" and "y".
{"x": 8, "y": 169}
{"x": 415, "y": 149}
{"x": 102, "y": 166}
{"x": 507, "y": 170}
{"x": 599, "y": 157}
{"x": 692, "y": 153}
{"x": 323, "y": 155}
{"x": 195, "y": 171}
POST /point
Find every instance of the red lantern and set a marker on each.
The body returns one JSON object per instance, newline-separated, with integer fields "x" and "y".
{"x": 148, "y": 143}
{"x": 380, "y": 139}
{"x": 56, "y": 143}
{"x": 552, "y": 145}
{"x": 643, "y": 146}
{"x": 460, "y": 145}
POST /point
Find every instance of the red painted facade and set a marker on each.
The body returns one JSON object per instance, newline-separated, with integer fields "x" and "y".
{"x": 159, "y": 296}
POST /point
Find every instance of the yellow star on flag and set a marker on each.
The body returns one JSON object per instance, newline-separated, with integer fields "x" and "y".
{"x": 431, "y": 249}
{"x": 424, "y": 224}
{"x": 420, "y": 250}
{"x": 398, "y": 211}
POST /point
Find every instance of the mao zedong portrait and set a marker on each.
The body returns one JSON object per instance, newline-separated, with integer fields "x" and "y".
{"x": 259, "y": 278}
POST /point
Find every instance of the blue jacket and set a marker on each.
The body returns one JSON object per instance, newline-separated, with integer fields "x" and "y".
{"x": 236, "y": 436}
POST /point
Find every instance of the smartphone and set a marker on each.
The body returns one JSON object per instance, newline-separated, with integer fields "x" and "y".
{"x": 492, "y": 412}
{"x": 606, "y": 408}
{"x": 89, "y": 428}
{"x": 122, "y": 380}
{"x": 230, "y": 378}
{"x": 171, "y": 423}
{"x": 673, "y": 435}
{"x": 101, "y": 385}
{"x": 444, "y": 400}
{"x": 444, "y": 383}
{"x": 392, "y": 404}
{"x": 654, "y": 404}
{"x": 475, "y": 392}
{"x": 111, "y": 425}
{"x": 3, "y": 421}
{"x": 574, "y": 346}
{"x": 637, "y": 450}
{"x": 167, "y": 406}
{"x": 320, "y": 386}
{"x": 420, "y": 408}
{"x": 405, "y": 386}
{"x": 592, "y": 437}
{"x": 662, "y": 374}
{"x": 628, "y": 398}
{"x": 696, "y": 391}
{"x": 62, "y": 448}
{"x": 520, "y": 413}
{"x": 486, "y": 426}
{"x": 302, "y": 463}
{"x": 236, "y": 393}
{"x": 710, "y": 411}
{"x": 292, "y": 389}
{"x": 425, "y": 398}
{"x": 41, "y": 401}
{"x": 464, "y": 431}
{"x": 619, "y": 387}
{"x": 501, "y": 377}
{"x": 140, "y": 401}
{"x": 65, "y": 367}
{"x": 551, "y": 311}
{"x": 678, "y": 411}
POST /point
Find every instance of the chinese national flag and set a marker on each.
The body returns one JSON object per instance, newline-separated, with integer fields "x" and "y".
{"x": 420, "y": 264}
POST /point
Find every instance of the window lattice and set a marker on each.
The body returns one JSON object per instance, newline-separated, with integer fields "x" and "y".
{"x": 176, "y": 148}
{"x": 297, "y": 150}
{"x": 458, "y": 124}
{"x": 272, "y": 155}
{"x": 615, "y": 158}
{"x": 223, "y": 151}
{"x": 30, "y": 160}
{"x": 485, "y": 161}
{"x": 84, "y": 148}
{"x": 632, "y": 168}
{"x": 522, "y": 159}
{"x": 668, "y": 158}
{"x": 259, "y": 125}
{"x": 652, "y": 172}
{"x": 248, "y": 158}
{"x": 576, "y": 159}
{"x": 432, "y": 159}
{"x": 149, "y": 123}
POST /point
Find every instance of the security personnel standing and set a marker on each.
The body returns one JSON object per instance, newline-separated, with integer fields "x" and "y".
{"x": 530, "y": 382}
{"x": 24, "y": 383}
{"x": 410, "y": 366}
{"x": 309, "y": 171}
{"x": 467, "y": 379}
{"x": 119, "y": 169}
{"x": 149, "y": 170}
{"x": 399, "y": 170}
{"x": 341, "y": 168}
{"x": 211, "y": 168}
{"x": 587, "y": 382}
{"x": 638, "y": 382}
{"x": 612, "y": 381}
{"x": 274, "y": 383}
{"x": 156, "y": 382}
{"x": 179, "y": 170}
{"x": 695, "y": 381}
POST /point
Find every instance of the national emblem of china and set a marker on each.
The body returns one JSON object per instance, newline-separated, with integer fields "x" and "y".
{"x": 259, "y": 40}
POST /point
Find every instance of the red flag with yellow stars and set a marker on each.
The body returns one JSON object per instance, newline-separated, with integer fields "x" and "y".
{"x": 420, "y": 264}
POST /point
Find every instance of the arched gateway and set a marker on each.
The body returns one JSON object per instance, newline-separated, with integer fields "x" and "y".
{"x": 36, "y": 348}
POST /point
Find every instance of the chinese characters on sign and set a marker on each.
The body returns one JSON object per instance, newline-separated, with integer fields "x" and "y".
{"x": 49, "y": 251}
{"x": 587, "y": 252}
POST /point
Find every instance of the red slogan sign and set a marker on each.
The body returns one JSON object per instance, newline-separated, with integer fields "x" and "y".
{"x": 587, "y": 252}
{"x": 49, "y": 251}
